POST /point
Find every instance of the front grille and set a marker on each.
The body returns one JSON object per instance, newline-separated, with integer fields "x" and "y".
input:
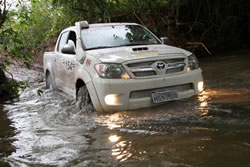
{"x": 148, "y": 68}
{"x": 140, "y": 64}
{"x": 148, "y": 92}
{"x": 174, "y": 70}
{"x": 144, "y": 74}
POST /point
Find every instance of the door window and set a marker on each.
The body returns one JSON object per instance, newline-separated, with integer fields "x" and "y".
{"x": 72, "y": 37}
{"x": 63, "y": 41}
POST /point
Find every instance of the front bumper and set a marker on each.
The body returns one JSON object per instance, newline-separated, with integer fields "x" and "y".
{"x": 123, "y": 88}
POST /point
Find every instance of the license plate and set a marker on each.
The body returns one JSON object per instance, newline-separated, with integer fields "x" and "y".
{"x": 160, "y": 97}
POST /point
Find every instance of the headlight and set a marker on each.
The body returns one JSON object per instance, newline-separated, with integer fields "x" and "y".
{"x": 111, "y": 71}
{"x": 192, "y": 63}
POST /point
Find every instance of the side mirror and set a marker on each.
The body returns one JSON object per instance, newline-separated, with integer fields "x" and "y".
{"x": 69, "y": 48}
{"x": 164, "y": 40}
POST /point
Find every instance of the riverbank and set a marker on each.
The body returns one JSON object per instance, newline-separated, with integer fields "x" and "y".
{"x": 18, "y": 72}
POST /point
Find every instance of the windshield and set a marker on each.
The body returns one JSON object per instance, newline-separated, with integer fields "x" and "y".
{"x": 116, "y": 35}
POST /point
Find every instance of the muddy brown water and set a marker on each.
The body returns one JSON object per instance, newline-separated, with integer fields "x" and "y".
{"x": 212, "y": 129}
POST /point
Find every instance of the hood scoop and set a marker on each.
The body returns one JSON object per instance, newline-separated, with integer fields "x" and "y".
{"x": 140, "y": 49}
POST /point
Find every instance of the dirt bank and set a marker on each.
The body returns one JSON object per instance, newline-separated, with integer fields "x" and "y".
{"x": 18, "y": 73}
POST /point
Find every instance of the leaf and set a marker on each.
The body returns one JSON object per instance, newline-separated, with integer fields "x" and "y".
{"x": 28, "y": 56}
{"x": 27, "y": 64}
{"x": 39, "y": 92}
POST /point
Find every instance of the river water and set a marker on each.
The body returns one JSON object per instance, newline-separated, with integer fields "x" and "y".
{"x": 212, "y": 129}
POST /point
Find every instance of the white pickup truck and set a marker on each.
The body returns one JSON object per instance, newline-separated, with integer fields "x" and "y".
{"x": 120, "y": 66}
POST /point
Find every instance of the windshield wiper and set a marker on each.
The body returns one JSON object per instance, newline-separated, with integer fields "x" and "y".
{"x": 100, "y": 47}
{"x": 136, "y": 44}
{"x": 133, "y": 44}
{"x": 130, "y": 44}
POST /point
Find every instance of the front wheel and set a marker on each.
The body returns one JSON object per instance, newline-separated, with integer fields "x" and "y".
{"x": 83, "y": 101}
{"x": 49, "y": 83}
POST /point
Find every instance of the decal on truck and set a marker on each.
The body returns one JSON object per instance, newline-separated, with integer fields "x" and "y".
{"x": 69, "y": 65}
{"x": 88, "y": 62}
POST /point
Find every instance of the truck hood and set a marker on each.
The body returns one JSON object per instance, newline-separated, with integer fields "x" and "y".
{"x": 127, "y": 53}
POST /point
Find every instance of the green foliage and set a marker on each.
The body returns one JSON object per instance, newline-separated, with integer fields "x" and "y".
{"x": 40, "y": 22}
{"x": 13, "y": 47}
{"x": 15, "y": 87}
{"x": 24, "y": 33}
{"x": 106, "y": 10}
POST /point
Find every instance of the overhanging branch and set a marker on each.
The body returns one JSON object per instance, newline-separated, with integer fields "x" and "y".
{"x": 3, "y": 12}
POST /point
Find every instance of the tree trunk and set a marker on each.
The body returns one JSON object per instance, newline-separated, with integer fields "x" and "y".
{"x": 3, "y": 12}
{"x": 248, "y": 35}
{"x": 2, "y": 76}
{"x": 4, "y": 89}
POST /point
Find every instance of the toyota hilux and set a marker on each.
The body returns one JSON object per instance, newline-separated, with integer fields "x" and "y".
{"x": 120, "y": 66}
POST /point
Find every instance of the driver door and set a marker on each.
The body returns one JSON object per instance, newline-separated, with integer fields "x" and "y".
{"x": 66, "y": 64}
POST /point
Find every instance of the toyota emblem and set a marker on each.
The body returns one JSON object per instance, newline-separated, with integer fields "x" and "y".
{"x": 160, "y": 65}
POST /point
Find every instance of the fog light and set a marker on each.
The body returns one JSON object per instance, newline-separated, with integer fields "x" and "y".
{"x": 114, "y": 138}
{"x": 201, "y": 86}
{"x": 111, "y": 99}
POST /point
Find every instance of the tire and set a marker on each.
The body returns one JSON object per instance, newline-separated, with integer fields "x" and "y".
{"x": 83, "y": 100}
{"x": 49, "y": 83}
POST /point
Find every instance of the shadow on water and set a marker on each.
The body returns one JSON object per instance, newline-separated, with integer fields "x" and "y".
{"x": 211, "y": 129}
